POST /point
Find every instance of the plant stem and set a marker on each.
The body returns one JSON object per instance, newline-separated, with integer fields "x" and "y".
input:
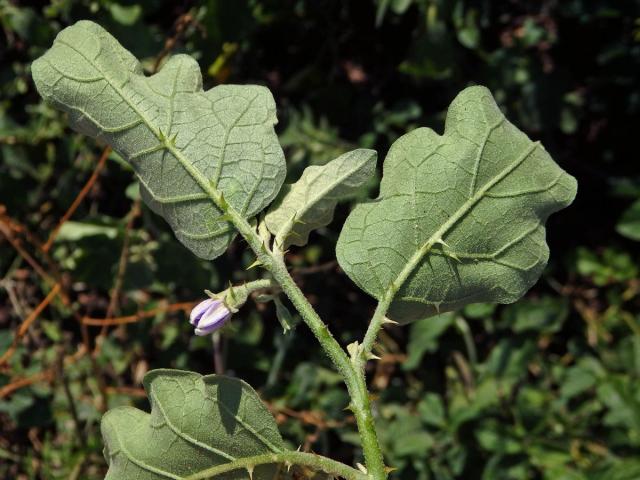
{"x": 355, "y": 385}
{"x": 355, "y": 382}
{"x": 376, "y": 323}
{"x": 274, "y": 263}
{"x": 316, "y": 462}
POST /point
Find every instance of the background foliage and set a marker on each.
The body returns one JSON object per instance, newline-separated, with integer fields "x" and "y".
{"x": 544, "y": 389}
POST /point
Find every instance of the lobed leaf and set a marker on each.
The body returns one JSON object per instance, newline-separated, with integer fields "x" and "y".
{"x": 196, "y": 422}
{"x": 460, "y": 217}
{"x": 309, "y": 203}
{"x": 184, "y": 144}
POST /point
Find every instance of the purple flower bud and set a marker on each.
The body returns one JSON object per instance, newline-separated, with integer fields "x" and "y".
{"x": 209, "y": 315}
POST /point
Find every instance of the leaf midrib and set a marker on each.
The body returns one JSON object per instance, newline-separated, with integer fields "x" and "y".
{"x": 465, "y": 208}
{"x": 212, "y": 192}
{"x": 183, "y": 435}
{"x": 141, "y": 463}
{"x": 247, "y": 427}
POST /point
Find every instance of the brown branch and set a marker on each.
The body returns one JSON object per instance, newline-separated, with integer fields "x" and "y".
{"x": 46, "y": 375}
{"x": 78, "y": 200}
{"x": 309, "y": 417}
{"x": 7, "y": 231}
{"x": 112, "y": 308}
{"x": 131, "y": 391}
{"x": 180, "y": 25}
{"x": 185, "y": 307}
{"x": 8, "y": 389}
{"x": 22, "y": 330}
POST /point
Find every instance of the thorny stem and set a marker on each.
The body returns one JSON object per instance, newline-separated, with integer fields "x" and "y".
{"x": 350, "y": 370}
{"x": 316, "y": 462}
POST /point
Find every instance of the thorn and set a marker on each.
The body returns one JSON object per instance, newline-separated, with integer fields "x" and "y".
{"x": 362, "y": 468}
{"x": 222, "y": 202}
{"x": 442, "y": 242}
{"x": 390, "y": 469}
{"x": 454, "y": 256}
{"x": 436, "y": 305}
{"x": 354, "y": 350}
{"x": 231, "y": 293}
{"x": 250, "y": 471}
{"x": 257, "y": 263}
{"x": 388, "y": 321}
{"x": 372, "y": 356}
{"x": 348, "y": 408}
{"x": 299, "y": 449}
{"x": 295, "y": 219}
{"x": 161, "y": 135}
{"x": 288, "y": 464}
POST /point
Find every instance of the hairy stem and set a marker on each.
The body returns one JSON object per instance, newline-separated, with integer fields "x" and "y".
{"x": 355, "y": 382}
{"x": 316, "y": 462}
{"x": 377, "y": 321}
{"x": 274, "y": 263}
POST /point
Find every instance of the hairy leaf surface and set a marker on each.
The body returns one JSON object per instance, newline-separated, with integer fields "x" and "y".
{"x": 196, "y": 422}
{"x": 309, "y": 203}
{"x": 182, "y": 142}
{"x": 460, "y": 217}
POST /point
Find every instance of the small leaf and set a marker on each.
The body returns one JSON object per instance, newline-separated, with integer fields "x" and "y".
{"x": 460, "y": 217}
{"x": 287, "y": 321}
{"x": 187, "y": 146}
{"x": 196, "y": 422}
{"x": 629, "y": 224}
{"x": 310, "y": 202}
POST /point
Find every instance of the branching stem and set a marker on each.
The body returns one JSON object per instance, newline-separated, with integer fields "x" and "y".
{"x": 355, "y": 383}
{"x": 351, "y": 372}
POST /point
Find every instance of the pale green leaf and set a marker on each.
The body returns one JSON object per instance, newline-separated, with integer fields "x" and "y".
{"x": 196, "y": 422}
{"x": 310, "y": 202}
{"x": 73, "y": 231}
{"x": 460, "y": 217}
{"x": 186, "y": 145}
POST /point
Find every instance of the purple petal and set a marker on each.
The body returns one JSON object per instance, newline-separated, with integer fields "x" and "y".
{"x": 200, "y": 309}
{"x": 214, "y": 318}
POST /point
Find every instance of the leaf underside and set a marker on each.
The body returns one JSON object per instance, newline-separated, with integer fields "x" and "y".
{"x": 460, "y": 217}
{"x": 183, "y": 142}
{"x": 196, "y": 422}
{"x": 309, "y": 203}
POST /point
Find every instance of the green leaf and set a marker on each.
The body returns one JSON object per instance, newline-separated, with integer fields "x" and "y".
{"x": 629, "y": 224}
{"x": 460, "y": 217}
{"x": 424, "y": 337}
{"x": 125, "y": 14}
{"x": 310, "y": 202}
{"x": 73, "y": 231}
{"x": 187, "y": 146}
{"x": 432, "y": 411}
{"x": 543, "y": 315}
{"x": 196, "y": 422}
